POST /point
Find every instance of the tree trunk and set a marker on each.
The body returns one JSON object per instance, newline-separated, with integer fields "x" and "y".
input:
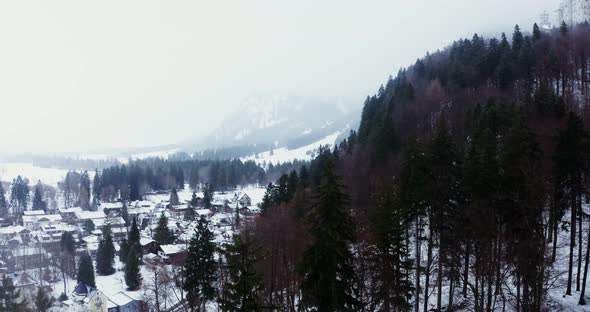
{"x": 555, "y": 227}
{"x": 427, "y": 272}
{"x": 439, "y": 279}
{"x": 580, "y": 244}
{"x": 466, "y": 270}
{"x": 582, "y": 299}
{"x": 418, "y": 227}
{"x": 517, "y": 292}
{"x": 572, "y": 244}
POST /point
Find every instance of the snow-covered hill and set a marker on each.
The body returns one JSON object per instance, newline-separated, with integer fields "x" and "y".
{"x": 278, "y": 121}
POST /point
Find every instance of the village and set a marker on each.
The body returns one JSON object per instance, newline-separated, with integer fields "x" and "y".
{"x": 31, "y": 253}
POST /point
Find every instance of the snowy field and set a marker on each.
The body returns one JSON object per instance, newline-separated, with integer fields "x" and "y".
{"x": 49, "y": 176}
{"x": 283, "y": 154}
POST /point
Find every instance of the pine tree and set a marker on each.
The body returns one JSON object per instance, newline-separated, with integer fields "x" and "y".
{"x": 207, "y": 196}
{"x": 134, "y": 239}
{"x": 242, "y": 291}
{"x": 96, "y": 186}
{"x": 174, "y": 201}
{"x": 200, "y": 268}
{"x": 536, "y": 33}
{"x": 42, "y": 301}
{"x": 132, "y": 273}
{"x": 10, "y": 297}
{"x": 327, "y": 264}
{"x": 19, "y": 195}
{"x": 86, "y": 271}
{"x": 163, "y": 235}
{"x": 517, "y": 40}
{"x": 123, "y": 250}
{"x": 125, "y": 213}
{"x": 393, "y": 288}
{"x": 3, "y": 205}
{"x": 106, "y": 253}
{"x": 194, "y": 200}
{"x": 38, "y": 203}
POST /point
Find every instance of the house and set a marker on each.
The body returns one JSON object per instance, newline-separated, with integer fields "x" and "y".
{"x": 111, "y": 209}
{"x": 69, "y": 214}
{"x": 33, "y": 222}
{"x": 148, "y": 245}
{"x": 123, "y": 302}
{"x": 16, "y": 232}
{"x": 29, "y": 257}
{"x": 244, "y": 200}
{"x": 86, "y": 298}
{"x": 173, "y": 254}
{"x": 204, "y": 212}
{"x": 33, "y": 212}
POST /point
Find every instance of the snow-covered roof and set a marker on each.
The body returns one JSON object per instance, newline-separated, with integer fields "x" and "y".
{"x": 42, "y": 218}
{"x": 85, "y": 215}
{"x": 99, "y": 222}
{"x": 70, "y": 210}
{"x": 172, "y": 249}
{"x": 33, "y": 212}
{"x": 203, "y": 212}
{"x": 13, "y": 229}
{"x": 144, "y": 241}
{"x": 116, "y": 205}
{"x": 120, "y": 299}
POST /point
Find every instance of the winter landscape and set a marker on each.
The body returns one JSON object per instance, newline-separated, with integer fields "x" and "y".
{"x": 295, "y": 156}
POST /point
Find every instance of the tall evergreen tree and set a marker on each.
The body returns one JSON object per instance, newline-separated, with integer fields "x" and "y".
{"x": 132, "y": 273}
{"x": 133, "y": 239}
{"x": 38, "y": 203}
{"x": 86, "y": 271}
{"x": 174, "y": 201}
{"x": 327, "y": 264}
{"x": 163, "y": 235}
{"x": 200, "y": 267}
{"x": 242, "y": 291}
{"x": 392, "y": 263}
{"x": 11, "y": 300}
{"x": 3, "y": 205}
{"x": 106, "y": 252}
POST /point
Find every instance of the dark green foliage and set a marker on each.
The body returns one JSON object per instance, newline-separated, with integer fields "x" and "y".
{"x": 88, "y": 226}
{"x": 10, "y": 297}
{"x": 200, "y": 267}
{"x": 391, "y": 260}
{"x": 134, "y": 237}
{"x": 19, "y": 194}
{"x": 132, "y": 273}
{"x": 86, "y": 271}
{"x": 174, "y": 201}
{"x": 194, "y": 200}
{"x": 106, "y": 253}
{"x": 42, "y": 301}
{"x": 243, "y": 290}
{"x": 123, "y": 250}
{"x": 38, "y": 203}
{"x": 3, "y": 204}
{"x": 536, "y": 33}
{"x": 163, "y": 235}
{"x": 125, "y": 213}
{"x": 207, "y": 196}
{"x": 327, "y": 265}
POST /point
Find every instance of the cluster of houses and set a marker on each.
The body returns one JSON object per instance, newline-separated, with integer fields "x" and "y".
{"x": 36, "y": 242}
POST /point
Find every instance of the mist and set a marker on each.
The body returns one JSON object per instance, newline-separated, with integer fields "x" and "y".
{"x": 83, "y": 75}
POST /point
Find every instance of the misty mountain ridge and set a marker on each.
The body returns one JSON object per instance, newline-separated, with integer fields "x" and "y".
{"x": 283, "y": 121}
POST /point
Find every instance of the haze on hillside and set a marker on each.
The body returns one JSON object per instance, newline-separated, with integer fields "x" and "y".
{"x": 82, "y": 75}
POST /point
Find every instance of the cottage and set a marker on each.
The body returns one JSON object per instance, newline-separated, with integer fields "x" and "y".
{"x": 148, "y": 245}
{"x": 123, "y": 302}
{"x": 111, "y": 209}
{"x": 244, "y": 200}
{"x": 173, "y": 254}
{"x": 69, "y": 214}
{"x": 86, "y": 298}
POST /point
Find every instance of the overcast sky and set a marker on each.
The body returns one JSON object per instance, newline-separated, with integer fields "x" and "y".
{"x": 78, "y": 75}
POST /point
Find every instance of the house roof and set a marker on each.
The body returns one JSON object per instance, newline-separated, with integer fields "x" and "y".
{"x": 84, "y": 215}
{"x": 172, "y": 249}
{"x": 144, "y": 241}
{"x": 33, "y": 212}
{"x": 120, "y": 299}
{"x": 70, "y": 210}
{"x": 12, "y": 229}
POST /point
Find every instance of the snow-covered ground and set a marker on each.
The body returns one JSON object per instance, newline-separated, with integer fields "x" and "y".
{"x": 50, "y": 176}
{"x": 254, "y": 191}
{"x": 281, "y": 155}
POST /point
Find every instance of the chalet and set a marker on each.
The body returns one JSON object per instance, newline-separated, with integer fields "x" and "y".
{"x": 173, "y": 254}
{"x": 86, "y": 298}
{"x": 29, "y": 257}
{"x": 69, "y": 214}
{"x": 33, "y": 222}
{"x": 33, "y": 212}
{"x": 123, "y": 302}
{"x": 17, "y": 232}
{"x": 244, "y": 200}
{"x": 148, "y": 245}
{"x": 204, "y": 212}
{"x": 111, "y": 209}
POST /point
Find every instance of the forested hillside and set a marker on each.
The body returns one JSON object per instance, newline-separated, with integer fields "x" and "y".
{"x": 464, "y": 188}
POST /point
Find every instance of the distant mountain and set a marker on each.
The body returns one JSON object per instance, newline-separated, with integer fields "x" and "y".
{"x": 274, "y": 121}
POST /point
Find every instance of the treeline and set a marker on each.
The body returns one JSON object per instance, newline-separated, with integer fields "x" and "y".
{"x": 133, "y": 181}
{"x": 462, "y": 177}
